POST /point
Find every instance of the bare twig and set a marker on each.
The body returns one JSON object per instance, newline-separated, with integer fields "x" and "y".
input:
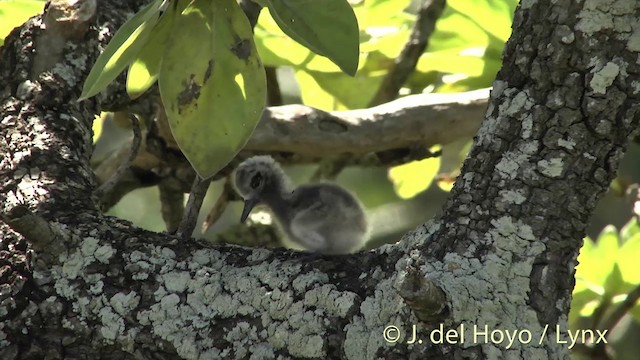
{"x": 622, "y": 309}
{"x": 274, "y": 95}
{"x": 405, "y": 63}
{"x": 171, "y": 203}
{"x": 190, "y": 216}
{"x": 221, "y": 204}
{"x": 108, "y": 185}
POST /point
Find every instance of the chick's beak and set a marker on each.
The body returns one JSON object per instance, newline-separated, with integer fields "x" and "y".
{"x": 248, "y": 206}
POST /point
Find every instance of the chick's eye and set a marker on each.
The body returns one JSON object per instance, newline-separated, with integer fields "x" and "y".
{"x": 256, "y": 180}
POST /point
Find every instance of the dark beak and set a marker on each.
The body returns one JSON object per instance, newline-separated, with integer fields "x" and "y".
{"x": 248, "y": 206}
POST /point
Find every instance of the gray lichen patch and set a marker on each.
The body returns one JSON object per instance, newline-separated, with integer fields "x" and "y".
{"x": 551, "y": 168}
{"x": 604, "y": 77}
{"x": 511, "y": 103}
{"x": 477, "y": 300}
{"x": 511, "y": 197}
{"x": 511, "y": 161}
{"x": 364, "y": 333}
{"x": 607, "y": 14}
{"x": 197, "y": 293}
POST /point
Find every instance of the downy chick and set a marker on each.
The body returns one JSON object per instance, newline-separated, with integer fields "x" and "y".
{"x": 323, "y": 218}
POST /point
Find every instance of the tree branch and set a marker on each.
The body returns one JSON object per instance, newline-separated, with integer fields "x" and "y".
{"x": 298, "y": 134}
{"x": 416, "y": 120}
{"x": 405, "y": 63}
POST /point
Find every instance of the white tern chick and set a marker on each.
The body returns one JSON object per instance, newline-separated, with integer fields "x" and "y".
{"x": 323, "y": 218}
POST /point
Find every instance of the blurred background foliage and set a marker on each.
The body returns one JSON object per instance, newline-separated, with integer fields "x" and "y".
{"x": 464, "y": 53}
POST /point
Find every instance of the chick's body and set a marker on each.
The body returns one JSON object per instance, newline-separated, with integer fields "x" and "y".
{"x": 323, "y": 218}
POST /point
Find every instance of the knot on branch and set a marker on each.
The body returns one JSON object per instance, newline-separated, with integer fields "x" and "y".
{"x": 421, "y": 294}
{"x": 42, "y": 236}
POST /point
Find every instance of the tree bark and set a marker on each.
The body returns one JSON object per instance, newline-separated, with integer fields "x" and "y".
{"x": 75, "y": 283}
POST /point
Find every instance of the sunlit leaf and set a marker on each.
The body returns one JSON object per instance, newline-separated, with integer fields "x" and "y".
{"x": 212, "y": 83}
{"x": 14, "y": 13}
{"x": 413, "y": 178}
{"x": 306, "y": 22}
{"x": 143, "y": 72}
{"x": 313, "y": 94}
{"x": 468, "y": 43}
{"x": 96, "y": 127}
{"x": 493, "y": 16}
{"x": 628, "y": 259}
{"x": 382, "y": 13}
{"x": 596, "y": 261}
{"x": 582, "y": 302}
{"x": 630, "y": 229}
{"x": 121, "y": 50}
{"x": 349, "y": 92}
{"x": 614, "y": 283}
{"x": 588, "y": 309}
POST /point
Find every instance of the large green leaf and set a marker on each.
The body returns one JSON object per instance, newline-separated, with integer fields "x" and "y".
{"x": 121, "y": 50}
{"x": 212, "y": 83}
{"x": 15, "y": 12}
{"x": 328, "y": 27}
{"x": 144, "y": 70}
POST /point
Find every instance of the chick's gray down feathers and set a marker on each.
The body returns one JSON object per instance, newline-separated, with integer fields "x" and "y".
{"x": 323, "y": 218}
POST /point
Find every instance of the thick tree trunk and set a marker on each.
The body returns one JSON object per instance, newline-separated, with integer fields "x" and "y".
{"x": 75, "y": 283}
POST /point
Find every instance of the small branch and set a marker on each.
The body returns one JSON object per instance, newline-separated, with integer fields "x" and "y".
{"x": 108, "y": 186}
{"x": 421, "y": 294}
{"x": 190, "y": 217}
{"x": 274, "y": 95}
{"x": 171, "y": 203}
{"x": 622, "y": 309}
{"x": 218, "y": 208}
{"x": 405, "y": 63}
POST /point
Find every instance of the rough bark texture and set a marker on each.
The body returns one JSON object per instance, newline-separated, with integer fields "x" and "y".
{"x": 503, "y": 251}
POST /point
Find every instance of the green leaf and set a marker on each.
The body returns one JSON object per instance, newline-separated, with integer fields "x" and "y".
{"x": 374, "y": 14}
{"x": 121, "y": 50}
{"x": 493, "y": 16}
{"x": 143, "y": 72}
{"x": 14, "y": 13}
{"x": 614, "y": 283}
{"x": 628, "y": 259}
{"x": 582, "y": 304}
{"x": 327, "y": 27}
{"x": 596, "y": 261}
{"x": 630, "y": 229}
{"x": 212, "y": 83}
{"x": 413, "y": 178}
